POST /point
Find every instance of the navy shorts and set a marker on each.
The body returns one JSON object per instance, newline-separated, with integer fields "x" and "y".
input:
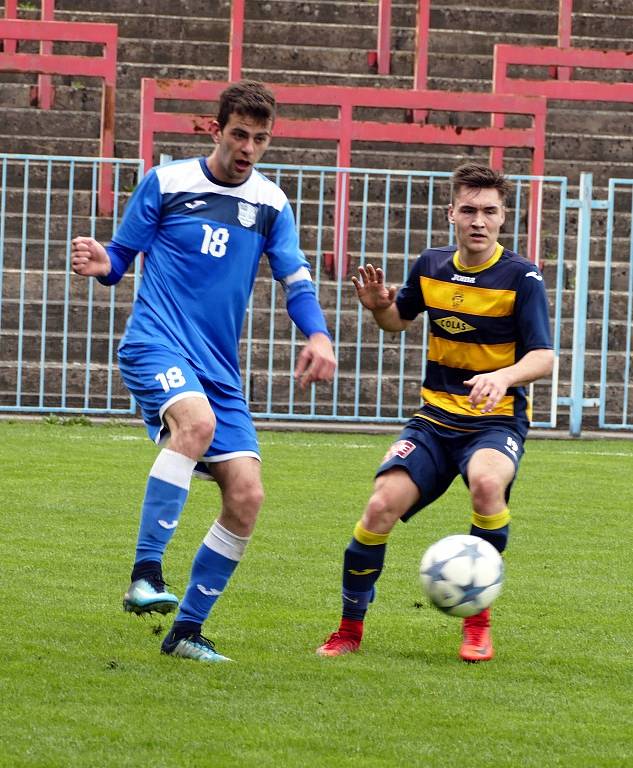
{"x": 158, "y": 377}
{"x": 434, "y": 455}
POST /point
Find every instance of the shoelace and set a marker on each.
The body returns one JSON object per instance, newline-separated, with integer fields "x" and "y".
{"x": 474, "y": 629}
{"x": 337, "y": 638}
{"x": 201, "y": 640}
{"x": 157, "y": 582}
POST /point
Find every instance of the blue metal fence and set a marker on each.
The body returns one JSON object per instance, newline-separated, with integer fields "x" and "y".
{"x": 58, "y": 332}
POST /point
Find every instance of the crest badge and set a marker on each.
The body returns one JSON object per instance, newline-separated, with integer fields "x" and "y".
{"x": 246, "y": 214}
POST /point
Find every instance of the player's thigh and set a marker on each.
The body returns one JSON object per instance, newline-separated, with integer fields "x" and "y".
{"x": 158, "y": 378}
{"x": 394, "y": 493}
{"x": 191, "y": 424}
{"x": 235, "y": 434}
{"x": 494, "y": 452}
{"x": 422, "y": 454}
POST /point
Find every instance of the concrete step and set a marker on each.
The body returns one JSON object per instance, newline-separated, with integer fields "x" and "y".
{"x": 349, "y": 391}
{"x": 390, "y": 354}
{"x": 195, "y": 9}
{"x": 144, "y": 27}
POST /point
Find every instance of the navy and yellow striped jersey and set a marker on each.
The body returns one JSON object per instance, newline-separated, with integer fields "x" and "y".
{"x": 480, "y": 319}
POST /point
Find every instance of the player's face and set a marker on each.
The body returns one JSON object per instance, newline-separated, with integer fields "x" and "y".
{"x": 238, "y": 147}
{"x": 477, "y": 215}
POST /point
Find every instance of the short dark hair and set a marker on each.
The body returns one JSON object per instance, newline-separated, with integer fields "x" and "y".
{"x": 479, "y": 176}
{"x": 247, "y": 98}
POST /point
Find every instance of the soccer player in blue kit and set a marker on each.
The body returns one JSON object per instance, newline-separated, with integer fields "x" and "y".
{"x": 203, "y": 225}
{"x": 489, "y": 336}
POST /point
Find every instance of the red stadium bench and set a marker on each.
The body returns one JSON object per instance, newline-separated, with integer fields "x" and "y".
{"x": 344, "y": 129}
{"x": 43, "y": 92}
{"x": 557, "y": 60}
{"x": 103, "y": 67}
{"x": 381, "y": 58}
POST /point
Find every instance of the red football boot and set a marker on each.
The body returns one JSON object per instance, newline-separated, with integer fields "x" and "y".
{"x": 345, "y": 640}
{"x": 477, "y": 642}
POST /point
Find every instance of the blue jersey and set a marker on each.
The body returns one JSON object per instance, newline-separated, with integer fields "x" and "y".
{"x": 203, "y": 241}
{"x": 481, "y": 319}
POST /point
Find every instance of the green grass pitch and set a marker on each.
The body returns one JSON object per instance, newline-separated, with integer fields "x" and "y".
{"x": 83, "y": 684}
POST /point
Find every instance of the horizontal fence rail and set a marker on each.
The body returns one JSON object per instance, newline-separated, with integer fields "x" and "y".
{"x": 59, "y": 332}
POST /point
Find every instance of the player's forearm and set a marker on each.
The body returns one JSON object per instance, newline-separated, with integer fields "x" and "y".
{"x": 534, "y": 365}
{"x": 389, "y": 319}
{"x": 306, "y": 313}
{"x": 120, "y": 259}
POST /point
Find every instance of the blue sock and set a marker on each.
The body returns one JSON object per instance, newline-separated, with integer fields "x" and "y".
{"x": 213, "y": 565}
{"x": 165, "y": 496}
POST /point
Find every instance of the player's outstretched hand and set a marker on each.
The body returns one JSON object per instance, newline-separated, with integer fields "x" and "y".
{"x": 316, "y": 361}
{"x": 371, "y": 290}
{"x": 89, "y": 258}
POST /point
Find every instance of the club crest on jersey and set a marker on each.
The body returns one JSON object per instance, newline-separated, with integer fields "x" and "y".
{"x": 246, "y": 214}
{"x": 458, "y": 299}
{"x": 454, "y": 324}
{"x": 402, "y": 449}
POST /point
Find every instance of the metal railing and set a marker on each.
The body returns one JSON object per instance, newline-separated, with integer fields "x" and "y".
{"x": 59, "y": 332}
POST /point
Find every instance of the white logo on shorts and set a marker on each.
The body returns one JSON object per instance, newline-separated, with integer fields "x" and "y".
{"x": 512, "y": 447}
{"x": 402, "y": 448}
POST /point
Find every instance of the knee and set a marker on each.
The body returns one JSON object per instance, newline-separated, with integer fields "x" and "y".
{"x": 486, "y": 489}
{"x": 381, "y": 512}
{"x": 196, "y": 435}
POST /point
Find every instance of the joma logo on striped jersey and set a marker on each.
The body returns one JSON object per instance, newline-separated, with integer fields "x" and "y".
{"x": 463, "y": 279}
{"x": 453, "y": 324}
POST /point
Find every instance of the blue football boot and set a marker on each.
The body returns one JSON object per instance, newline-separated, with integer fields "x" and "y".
{"x": 191, "y": 646}
{"x": 147, "y": 595}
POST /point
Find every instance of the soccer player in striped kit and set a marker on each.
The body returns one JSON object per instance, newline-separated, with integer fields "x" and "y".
{"x": 489, "y": 337}
{"x": 203, "y": 225}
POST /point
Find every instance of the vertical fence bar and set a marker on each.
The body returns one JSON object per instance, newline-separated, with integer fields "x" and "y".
{"x": 580, "y": 304}
{"x": 359, "y": 306}
{"x": 23, "y": 273}
{"x": 3, "y": 216}
{"x": 405, "y": 272}
{"x": 69, "y": 224}
{"x": 629, "y": 321}
{"x": 381, "y": 333}
{"x": 604, "y": 342}
{"x": 293, "y": 327}
{"x": 317, "y": 267}
{"x": 47, "y": 224}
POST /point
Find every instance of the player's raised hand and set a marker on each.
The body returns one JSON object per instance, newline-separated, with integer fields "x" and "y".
{"x": 371, "y": 290}
{"x": 316, "y": 361}
{"x": 89, "y": 258}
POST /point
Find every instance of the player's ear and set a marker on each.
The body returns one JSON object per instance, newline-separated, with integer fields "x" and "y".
{"x": 215, "y": 131}
{"x": 451, "y": 216}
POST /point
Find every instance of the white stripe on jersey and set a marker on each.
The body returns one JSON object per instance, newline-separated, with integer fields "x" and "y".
{"x": 301, "y": 274}
{"x": 188, "y": 176}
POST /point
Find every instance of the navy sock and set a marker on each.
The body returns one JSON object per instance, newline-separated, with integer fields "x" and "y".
{"x": 362, "y": 565}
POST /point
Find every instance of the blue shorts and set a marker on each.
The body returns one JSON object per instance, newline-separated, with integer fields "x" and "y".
{"x": 434, "y": 455}
{"x": 158, "y": 377}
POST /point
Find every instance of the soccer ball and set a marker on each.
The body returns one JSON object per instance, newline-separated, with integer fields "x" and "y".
{"x": 461, "y": 574}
